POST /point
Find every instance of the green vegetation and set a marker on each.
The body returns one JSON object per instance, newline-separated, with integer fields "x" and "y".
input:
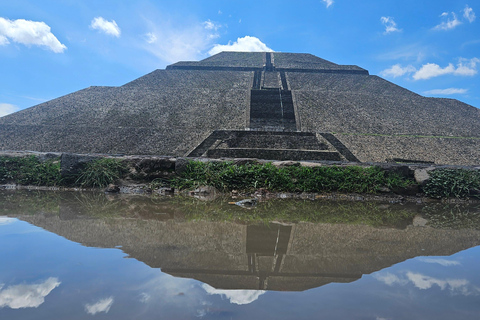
{"x": 458, "y": 183}
{"x": 228, "y": 176}
{"x": 30, "y": 171}
{"x": 101, "y": 172}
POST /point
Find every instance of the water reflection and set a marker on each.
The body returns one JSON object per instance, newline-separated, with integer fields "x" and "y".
{"x": 27, "y": 295}
{"x": 248, "y": 265}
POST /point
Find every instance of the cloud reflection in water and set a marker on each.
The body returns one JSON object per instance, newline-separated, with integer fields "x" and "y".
{"x": 235, "y": 296}
{"x": 27, "y": 295}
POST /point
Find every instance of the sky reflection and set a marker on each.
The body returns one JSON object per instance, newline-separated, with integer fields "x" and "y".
{"x": 48, "y": 276}
{"x": 27, "y": 295}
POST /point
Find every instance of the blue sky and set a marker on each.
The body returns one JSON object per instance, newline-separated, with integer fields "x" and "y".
{"x": 49, "y": 48}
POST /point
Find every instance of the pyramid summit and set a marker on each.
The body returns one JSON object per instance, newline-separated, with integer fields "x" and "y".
{"x": 269, "y": 105}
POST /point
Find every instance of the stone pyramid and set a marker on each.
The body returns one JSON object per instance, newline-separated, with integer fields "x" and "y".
{"x": 286, "y": 106}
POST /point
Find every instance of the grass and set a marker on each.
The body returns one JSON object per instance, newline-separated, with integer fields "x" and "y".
{"x": 228, "y": 176}
{"x": 30, "y": 171}
{"x": 456, "y": 183}
{"x": 101, "y": 172}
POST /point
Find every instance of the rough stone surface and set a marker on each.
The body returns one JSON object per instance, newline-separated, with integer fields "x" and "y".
{"x": 172, "y": 112}
{"x": 422, "y": 176}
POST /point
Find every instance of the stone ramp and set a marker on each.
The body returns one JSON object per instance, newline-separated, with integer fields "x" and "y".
{"x": 270, "y": 145}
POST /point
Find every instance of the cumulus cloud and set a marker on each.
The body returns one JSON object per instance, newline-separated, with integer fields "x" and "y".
{"x": 6, "y": 108}
{"x": 235, "y": 296}
{"x": 102, "y": 305}
{"x": 449, "y": 22}
{"x": 27, "y": 295}
{"x": 328, "y": 3}
{"x": 445, "y": 92}
{"x": 397, "y": 71}
{"x": 423, "y": 282}
{"x": 390, "y": 25}
{"x": 389, "y": 279}
{"x": 469, "y": 14}
{"x": 247, "y": 44}
{"x": 108, "y": 27}
{"x": 29, "y": 33}
{"x": 465, "y": 67}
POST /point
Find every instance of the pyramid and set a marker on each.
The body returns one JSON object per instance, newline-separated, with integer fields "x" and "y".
{"x": 268, "y": 105}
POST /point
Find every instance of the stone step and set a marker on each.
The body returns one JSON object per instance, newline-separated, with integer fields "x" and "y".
{"x": 273, "y": 140}
{"x": 274, "y": 154}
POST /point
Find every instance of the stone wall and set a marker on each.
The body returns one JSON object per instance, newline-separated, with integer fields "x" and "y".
{"x": 452, "y": 151}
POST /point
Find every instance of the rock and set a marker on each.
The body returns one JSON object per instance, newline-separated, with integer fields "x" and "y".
{"x": 310, "y": 164}
{"x": 112, "y": 188}
{"x": 247, "y": 203}
{"x": 71, "y": 163}
{"x": 384, "y": 190}
{"x": 411, "y": 190}
{"x": 421, "y": 175}
{"x": 282, "y": 164}
{"x": 181, "y": 165}
{"x": 205, "y": 193}
{"x": 244, "y": 161}
{"x": 165, "y": 191}
{"x": 419, "y": 221}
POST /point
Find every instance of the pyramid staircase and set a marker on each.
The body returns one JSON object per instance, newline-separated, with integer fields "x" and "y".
{"x": 272, "y": 131}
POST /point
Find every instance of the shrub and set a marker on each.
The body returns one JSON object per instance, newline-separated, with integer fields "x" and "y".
{"x": 101, "y": 172}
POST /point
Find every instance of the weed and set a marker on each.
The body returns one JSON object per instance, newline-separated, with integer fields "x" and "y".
{"x": 30, "y": 171}
{"x": 458, "y": 183}
{"x": 101, "y": 172}
{"x": 228, "y": 176}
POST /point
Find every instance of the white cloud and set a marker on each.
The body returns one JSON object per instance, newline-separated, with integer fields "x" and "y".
{"x": 145, "y": 297}
{"x": 465, "y": 67}
{"x": 397, "y": 71}
{"x": 108, "y": 27}
{"x": 469, "y": 14}
{"x": 390, "y": 25}
{"x": 150, "y": 37}
{"x": 210, "y": 25}
{"x": 171, "y": 42}
{"x": 423, "y": 282}
{"x": 448, "y": 91}
{"x": 389, "y": 279}
{"x": 29, "y": 33}
{"x": 6, "y": 108}
{"x": 6, "y": 220}
{"x": 239, "y": 297}
{"x": 247, "y": 44}
{"x": 328, "y": 3}
{"x": 27, "y": 295}
{"x": 431, "y": 70}
{"x": 448, "y": 23}
{"x": 102, "y": 305}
